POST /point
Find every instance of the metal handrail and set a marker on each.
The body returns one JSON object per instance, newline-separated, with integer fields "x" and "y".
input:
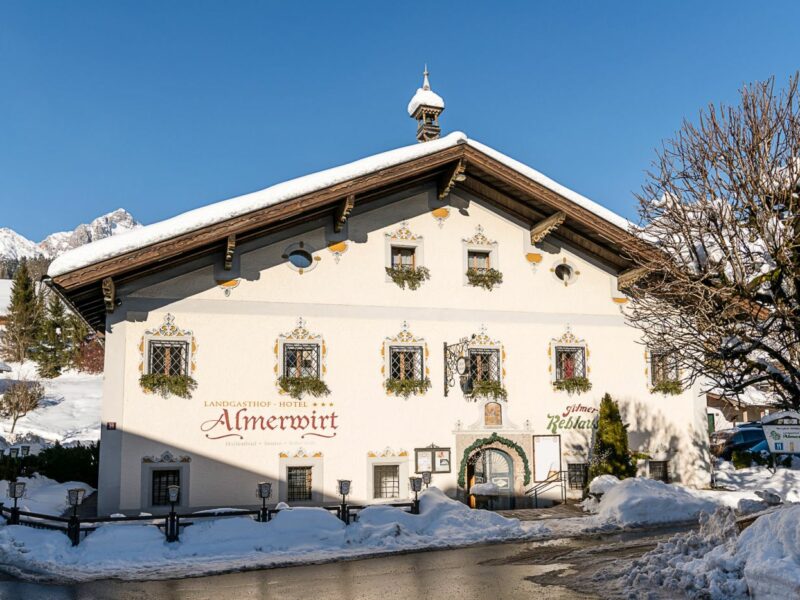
{"x": 557, "y": 478}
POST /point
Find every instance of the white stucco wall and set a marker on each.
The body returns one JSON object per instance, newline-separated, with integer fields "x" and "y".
{"x": 353, "y": 306}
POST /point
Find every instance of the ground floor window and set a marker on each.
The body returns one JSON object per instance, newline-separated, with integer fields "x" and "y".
{"x": 162, "y": 479}
{"x": 299, "y": 480}
{"x": 386, "y": 481}
{"x": 658, "y": 469}
{"x": 577, "y": 475}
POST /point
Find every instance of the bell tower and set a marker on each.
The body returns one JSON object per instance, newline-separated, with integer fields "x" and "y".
{"x": 425, "y": 107}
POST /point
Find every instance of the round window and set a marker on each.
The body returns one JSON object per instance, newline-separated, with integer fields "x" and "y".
{"x": 300, "y": 259}
{"x": 564, "y": 272}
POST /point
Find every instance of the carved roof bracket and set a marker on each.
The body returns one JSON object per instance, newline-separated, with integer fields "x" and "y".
{"x": 626, "y": 278}
{"x": 230, "y": 248}
{"x": 452, "y": 176}
{"x": 109, "y": 294}
{"x": 343, "y": 211}
{"x": 544, "y": 228}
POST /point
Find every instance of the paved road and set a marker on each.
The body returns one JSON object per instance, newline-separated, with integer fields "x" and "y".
{"x": 557, "y": 570}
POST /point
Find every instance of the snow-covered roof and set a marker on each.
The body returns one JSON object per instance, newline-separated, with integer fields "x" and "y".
{"x": 425, "y": 97}
{"x": 5, "y": 295}
{"x": 4, "y": 368}
{"x": 212, "y": 214}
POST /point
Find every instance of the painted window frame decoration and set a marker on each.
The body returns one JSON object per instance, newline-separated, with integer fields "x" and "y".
{"x": 404, "y": 238}
{"x": 575, "y": 273}
{"x": 438, "y": 459}
{"x": 301, "y": 246}
{"x": 405, "y": 339}
{"x": 168, "y": 331}
{"x": 300, "y": 336}
{"x": 569, "y": 341}
{"x": 479, "y": 242}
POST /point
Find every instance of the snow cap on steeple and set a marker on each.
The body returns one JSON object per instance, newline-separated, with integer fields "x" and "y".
{"x": 425, "y": 107}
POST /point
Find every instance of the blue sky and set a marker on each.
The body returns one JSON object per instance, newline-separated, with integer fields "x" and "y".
{"x": 160, "y": 107}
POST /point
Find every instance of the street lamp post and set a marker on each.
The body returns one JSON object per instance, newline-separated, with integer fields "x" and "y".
{"x": 172, "y": 518}
{"x": 16, "y": 490}
{"x": 264, "y": 491}
{"x": 14, "y": 454}
{"x": 344, "y": 490}
{"x": 416, "y": 487}
{"x": 426, "y": 478}
{"x": 75, "y": 498}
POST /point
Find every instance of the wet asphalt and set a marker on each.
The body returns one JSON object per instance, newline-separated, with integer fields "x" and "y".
{"x": 578, "y": 568}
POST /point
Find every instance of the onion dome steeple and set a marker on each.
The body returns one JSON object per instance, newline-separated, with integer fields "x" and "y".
{"x": 425, "y": 107}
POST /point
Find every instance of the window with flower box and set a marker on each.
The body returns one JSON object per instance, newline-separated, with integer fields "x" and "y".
{"x": 663, "y": 368}
{"x": 479, "y": 260}
{"x": 300, "y": 360}
{"x": 570, "y": 362}
{"x": 404, "y": 257}
{"x": 168, "y": 357}
{"x": 484, "y": 364}
{"x": 406, "y": 362}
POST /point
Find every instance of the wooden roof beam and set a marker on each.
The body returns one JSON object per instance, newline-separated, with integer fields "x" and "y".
{"x": 343, "y": 211}
{"x": 626, "y": 278}
{"x": 543, "y": 228}
{"x": 450, "y": 177}
{"x": 230, "y": 248}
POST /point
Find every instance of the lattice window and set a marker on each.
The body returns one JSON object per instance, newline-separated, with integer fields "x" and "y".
{"x": 662, "y": 368}
{"x": 403, "y": 257}
{"x": 299, "y": 483}
{"x": 168, "y": 357}
{"x": 577, "y": 475}
{"x": 386, "y": 481}
{"x": 162, "y": 479}
{"x": 406, "y": 362}
{"x": 484, "y": 364}
{"x": 570, "y": 362}
{"x": 301, "y": 360}
{"x": 658, "y": 469}
{"x": 480, "y": 260}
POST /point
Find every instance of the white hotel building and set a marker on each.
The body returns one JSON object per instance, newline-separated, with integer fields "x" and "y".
{"x": 295, "y": 287}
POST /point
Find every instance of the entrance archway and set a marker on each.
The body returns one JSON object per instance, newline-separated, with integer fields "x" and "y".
{"x": 491, "y": 466}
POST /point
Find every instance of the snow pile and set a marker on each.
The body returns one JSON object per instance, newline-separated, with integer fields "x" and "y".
{"x": 295, "y": 535}
{"x": 714, "y": 563}
{"x": 43, "y": 495}
{"x": 602, "y": 484}
{"x": 639, "y": 501}
{"x": 743, "y": 483}
{"x": 697, "y": 564}
{"x": 70, "y": 411}
{"x": 485, "y": 489}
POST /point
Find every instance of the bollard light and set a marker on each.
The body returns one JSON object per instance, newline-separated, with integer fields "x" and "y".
{"x": 416, "y": 484}
{"x": 26, "y": 450}
{"x": 13, "y": 452}
{"x": 264, "y": 490}
{"x": 426, "y": 478}
{"x": 75, "y": 496}
{"x": 16, "y": 489}
{"x": 173, "y": 491}
{"x": 344, "y": 487}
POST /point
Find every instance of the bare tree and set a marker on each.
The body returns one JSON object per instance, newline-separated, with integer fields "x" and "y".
{"x": 721, "y": 203}
{"x": 19, "y": 399}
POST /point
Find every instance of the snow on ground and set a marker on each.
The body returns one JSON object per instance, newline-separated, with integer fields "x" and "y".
{"x": 43, "y": 495}
{"x": 297, "y": 535}
{"x": 70, "y": 411}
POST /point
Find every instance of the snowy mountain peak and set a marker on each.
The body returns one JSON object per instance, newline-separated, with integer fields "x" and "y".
{"x": 15, "y": 246}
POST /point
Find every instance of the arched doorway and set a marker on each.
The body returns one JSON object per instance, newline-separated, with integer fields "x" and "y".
{"x": 490, "y": 465}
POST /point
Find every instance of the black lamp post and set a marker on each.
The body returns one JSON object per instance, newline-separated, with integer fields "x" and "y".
{"x": 14, "y": 453}
{"x": 426, "y": 478}
{"x": 75, "y": 498}
{"x": 344, "y": 490}
{"x": 416, "y": 486}
{"x": 172, "y": 519}
{"x": 264, "y": 491}
{"x": 16, "y": 490}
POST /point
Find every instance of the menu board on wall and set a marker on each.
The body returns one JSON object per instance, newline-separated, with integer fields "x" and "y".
{"x": 432, "y": 459}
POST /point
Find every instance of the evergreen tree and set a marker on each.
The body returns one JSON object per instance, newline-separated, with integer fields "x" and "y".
{"x": 51, "y": 351}
{"x": 23, "y": 317}
{"x": 76, "y": 336}
{"x": 610, "y": 454}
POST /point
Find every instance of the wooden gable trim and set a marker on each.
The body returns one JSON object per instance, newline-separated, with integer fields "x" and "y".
{"x": 547, "y": 226}
{"x": 258, "y": 218}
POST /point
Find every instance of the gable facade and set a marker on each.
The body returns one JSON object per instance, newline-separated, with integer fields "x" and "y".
{"x": 310, "y": 301}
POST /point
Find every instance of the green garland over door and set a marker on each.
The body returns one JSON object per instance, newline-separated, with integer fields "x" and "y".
{"x": 492, "y": 439}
